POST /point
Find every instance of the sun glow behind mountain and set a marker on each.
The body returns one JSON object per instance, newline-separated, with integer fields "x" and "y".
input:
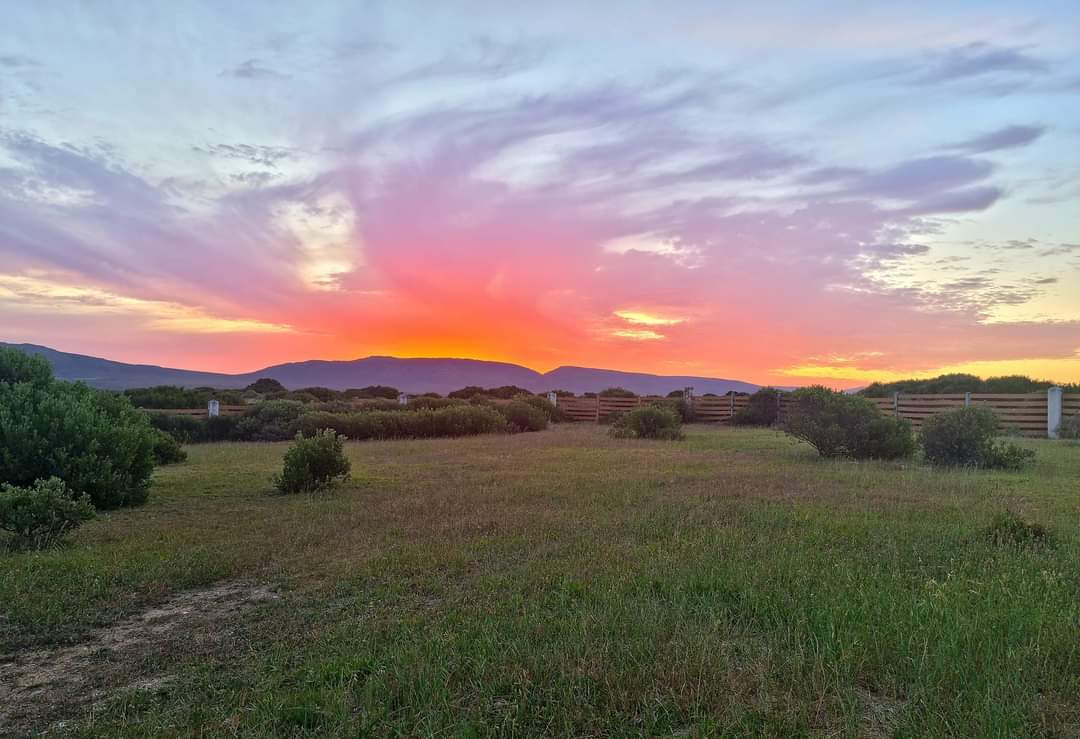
{"x": 855, "y": 194}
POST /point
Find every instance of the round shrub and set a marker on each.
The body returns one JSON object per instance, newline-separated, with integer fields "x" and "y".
{"x": 524, "y": 417}
{"x": 648, "y": 422}
{"x": 93, "y": 440}
{"x": 313, "y": 464}
{"x": 840, "y": 425}
{"x": 40, "y": 515}
{"x": 762, "y": 409}
{"x": 167, "y": 449}
{"x": 967, "y": 437}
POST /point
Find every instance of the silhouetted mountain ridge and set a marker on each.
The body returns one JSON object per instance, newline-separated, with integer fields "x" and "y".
{"x": 413, "y": 375}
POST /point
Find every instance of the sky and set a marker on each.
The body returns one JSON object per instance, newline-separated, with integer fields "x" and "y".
{"x": 783, "y": 192}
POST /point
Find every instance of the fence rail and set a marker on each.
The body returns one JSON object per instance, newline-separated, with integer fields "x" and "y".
{"x": 1028, "y": 414}
{"x": 223, "y": 410}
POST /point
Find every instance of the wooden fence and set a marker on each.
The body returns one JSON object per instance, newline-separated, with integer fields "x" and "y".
{"x": 1029, "y": 414}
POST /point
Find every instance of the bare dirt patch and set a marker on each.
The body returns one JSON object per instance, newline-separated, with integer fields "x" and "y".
{"x": 46, "y": 685}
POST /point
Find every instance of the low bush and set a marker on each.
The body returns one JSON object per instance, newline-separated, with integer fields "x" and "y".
{"x": 271, "y": 420}
{"x": 840, "y": 425}
{"x": 1008, "y": 529}
{"x": 762, "y": 409}
{"x": 455, "y": 420}
{"x": 167, "y": 449}
{"x": 553, "y": 413}
{"x": 313, "y": 464}
{"x": 616, "y": 392}
{"x": 1069, "y": 428}
{"x": 524, "y": 417}
{"x": 967, "y": 437}
{"x": 41, "y": 514}
{"x": 265, "y": 385}
{"x": 426, "y": 402}
{"x": 373, "y": 391}
{"x": 648, "y": 422}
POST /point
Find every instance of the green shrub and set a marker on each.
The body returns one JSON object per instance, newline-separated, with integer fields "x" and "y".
{"x": 648, "y": 422}
{"x": 322, "y": 394}
{"x": 967, "y": 437}
{"x": 1008, "y": 529}
{"x": 1069, "y": 428}
{"x": 840, "y": 425}
{"x": 524, "y": 417}
{"x": 167, "y": 449}
{"x": 552, "y": 413}
{"x": 41, "y": 514}
{"x": 426, "y": 402}
{"x": 616, "y": 392}
{"x": 762, "y": 409}
{"x": 183, "y": 428}
{"x": 467, "y": 392}
{"x": 91, "y": 439}
{"x": 313, "y": 464}
{"x": 455, "y": 420}
{"x": 20, "y": 367}
{"x": 170, "y": 396}
{"x": 265, "y": 385}
{"x": 505, "y": 392}
{"x": 271, "y": 420}
{"x": 373, "y": 391}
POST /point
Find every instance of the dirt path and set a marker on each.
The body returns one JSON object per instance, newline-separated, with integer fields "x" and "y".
{"x": 47, "y": 685}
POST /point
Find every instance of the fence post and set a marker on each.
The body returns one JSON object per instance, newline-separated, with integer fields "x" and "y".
{"x": 731, "y": 410}
{"x": 598, "y": 407}
{"x": 213, "y": 408}
{"x": 402, "y": 399}
{"x": 553, "y": 398}
{"x": 1053, "y": 411}
{"x": 967, "y": 399}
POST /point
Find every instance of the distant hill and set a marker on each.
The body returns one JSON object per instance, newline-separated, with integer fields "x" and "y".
{"x": 585, "y": 379}
{"x": 411, "y": 375}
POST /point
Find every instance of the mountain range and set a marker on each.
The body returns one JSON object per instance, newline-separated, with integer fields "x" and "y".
{"x": 407, "y": 374}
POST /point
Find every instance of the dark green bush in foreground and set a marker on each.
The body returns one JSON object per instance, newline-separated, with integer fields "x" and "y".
{"x": 967, "y": 437}
{"x": 648, "y": 422}
{"x": 524, "y": 417}
{"x": 167, "y": 449}
{"x": 313, "y": 464}
{"x": 842, "y": 425}
{"x": 41, "y": 514}
{"x": 93, "y": 440}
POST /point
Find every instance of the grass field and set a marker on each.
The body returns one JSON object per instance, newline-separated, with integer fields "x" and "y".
{"x": 559, "y": 583}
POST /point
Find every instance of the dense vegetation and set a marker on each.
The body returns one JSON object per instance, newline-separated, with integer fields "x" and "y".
{"x": 94, "y": 441}
{"x": 762, "y": 409}
{"x": 654, "y": 421}
{"x": 313, "y": 463}
{"x": 837, "y": 424}
{"x": 967, "y": 437}
{"x": 961, "y": 383}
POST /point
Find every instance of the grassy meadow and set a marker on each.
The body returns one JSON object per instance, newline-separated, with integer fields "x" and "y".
{"x": 563, "y": 583}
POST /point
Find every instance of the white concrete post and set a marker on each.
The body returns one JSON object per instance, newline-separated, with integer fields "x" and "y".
{"x": 1053, "y": 411}
{"x": 213, "y": 408}
{"x": 967, "y": 399}
{"x": 402, "y": 399}
{"x": 553, "y": 398}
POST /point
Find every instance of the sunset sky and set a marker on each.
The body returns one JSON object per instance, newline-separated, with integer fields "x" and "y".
{"x": 777, "y": 192}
